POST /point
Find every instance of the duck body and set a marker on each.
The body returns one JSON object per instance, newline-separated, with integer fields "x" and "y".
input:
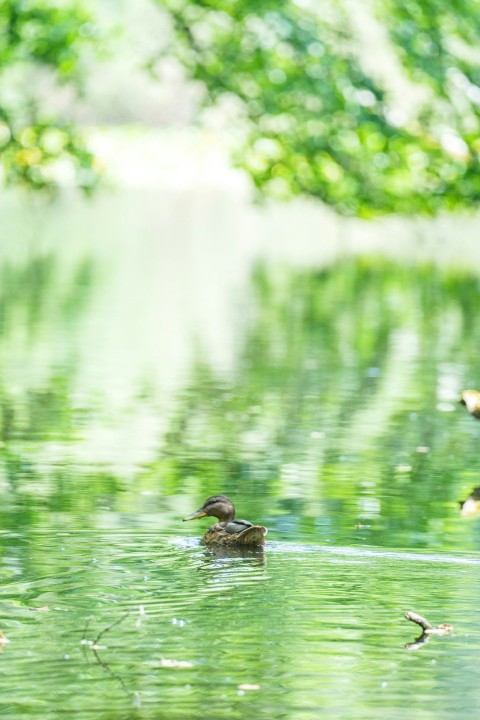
{"x": 228, "y": 531}
{"x": 238, "y": 532}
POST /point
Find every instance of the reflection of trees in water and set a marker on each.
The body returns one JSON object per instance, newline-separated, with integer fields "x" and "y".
{"x": 38, "y": 293}
{"x": 338, "y": 379}
{"x": 40, "y": 303}
{"x": 339, "y": 399}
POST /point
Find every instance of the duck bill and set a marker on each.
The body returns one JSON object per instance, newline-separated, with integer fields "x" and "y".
{"x": 197, "y": 514}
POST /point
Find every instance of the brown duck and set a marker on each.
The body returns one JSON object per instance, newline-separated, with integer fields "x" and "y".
{"x": 228, "y": 531}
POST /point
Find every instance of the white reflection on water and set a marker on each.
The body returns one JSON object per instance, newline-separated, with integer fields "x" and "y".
{"x": 360, "y": 553}
{"x": 170, "y": 272}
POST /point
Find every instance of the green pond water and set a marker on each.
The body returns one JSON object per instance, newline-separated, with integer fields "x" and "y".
{"x": 149, "y": 358}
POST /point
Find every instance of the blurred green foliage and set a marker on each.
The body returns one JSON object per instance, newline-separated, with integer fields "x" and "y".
{"x": 313, "y": 117}
{"x": 319, "y": 124}
{"x": 36, "y": 146}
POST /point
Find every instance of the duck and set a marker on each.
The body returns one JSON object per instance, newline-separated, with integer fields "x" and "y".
{"x": 471, "y": 398}
{"x": 229, "y": 531}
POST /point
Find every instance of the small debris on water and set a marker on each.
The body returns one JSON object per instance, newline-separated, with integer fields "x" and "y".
{"x": 471, "y": 505}
{"x": 427, "y": 630}
{"x": 171, "y": 663}
{"x": 141, "y": 614}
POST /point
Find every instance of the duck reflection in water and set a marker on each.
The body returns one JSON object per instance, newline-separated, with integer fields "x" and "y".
{"x": 228, "y": 532}
{"x": 224, "y": 552}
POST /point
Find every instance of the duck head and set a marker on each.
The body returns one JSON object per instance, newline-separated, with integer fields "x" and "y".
{"x": 217, "y": 506}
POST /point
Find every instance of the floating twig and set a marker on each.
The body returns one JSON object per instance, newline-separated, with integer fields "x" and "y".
{"x": 427, "y": 629}
{"x": 95, "y": 647}
{"x": 133, "y": 695}
{"x": 84, "y": 636}
{"x": 416, "y": 618}
{"x": 109, "y": 627}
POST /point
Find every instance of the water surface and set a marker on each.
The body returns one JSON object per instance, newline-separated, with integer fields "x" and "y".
{"x": 149, "y": 359}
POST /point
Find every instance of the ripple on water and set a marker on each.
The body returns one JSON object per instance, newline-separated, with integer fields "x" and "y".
{"x": 182, "y": 626}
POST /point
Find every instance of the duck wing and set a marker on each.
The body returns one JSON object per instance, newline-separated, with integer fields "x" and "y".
{"x": 246, "y": 532}
{"x": 237, "y": 526}
{"x": 252, "y": 535}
